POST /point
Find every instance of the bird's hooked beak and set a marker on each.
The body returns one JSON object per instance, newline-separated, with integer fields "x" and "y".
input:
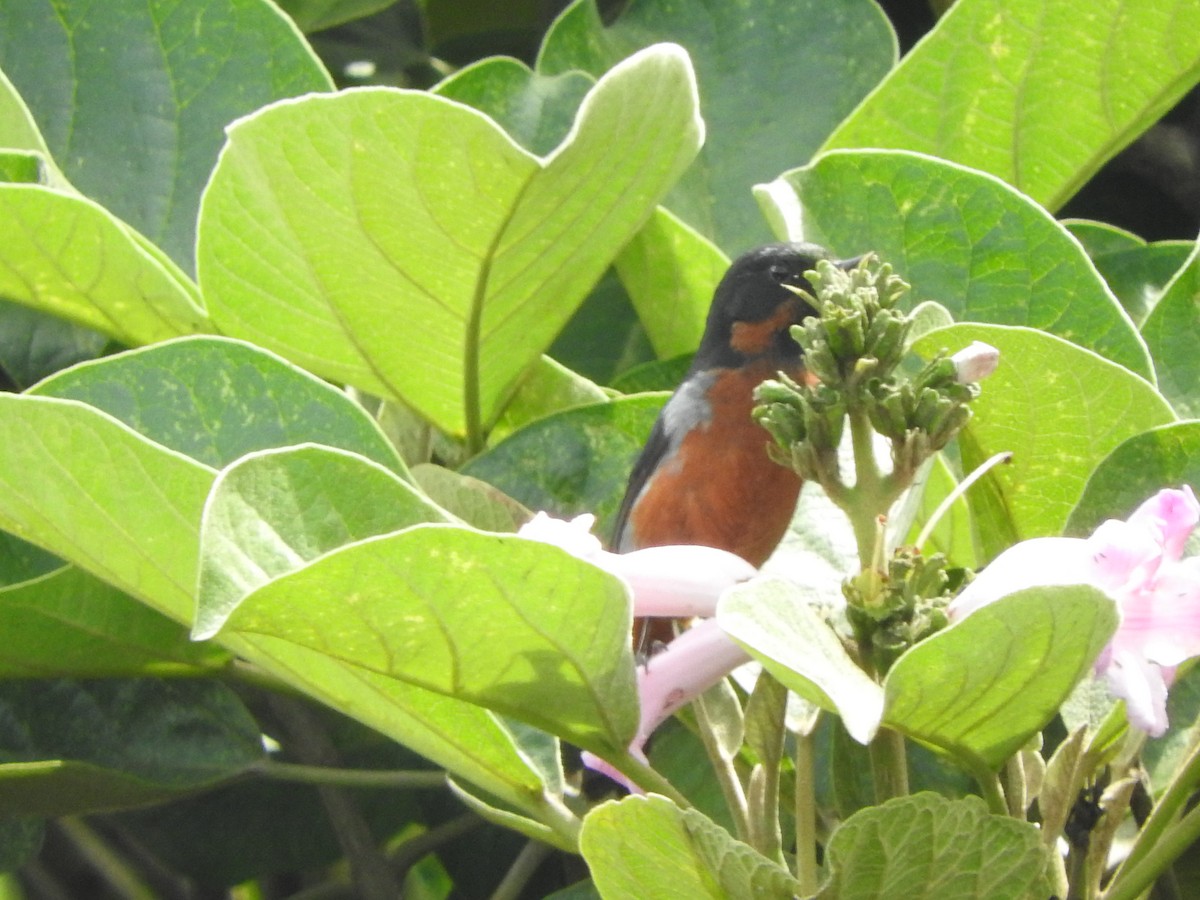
{"x": 847, "y": 264}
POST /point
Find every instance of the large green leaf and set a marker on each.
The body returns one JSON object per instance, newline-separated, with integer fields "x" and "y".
{"x": 1059, "y": 409}
{"x": 779, "y": 625}
{"x": 403, "y": 243}
{"x": 512, "y": 625}
{"x": 1038, "y": 92}
{"x": 132, "y": 95}
{"x": 1172, "y": 331}
{"x": 216, "y": 399}
{"x": 1167, "y": 456}
{"x": 960, "y": 237}
{"x": 273, "y": 511}
{"x": 68, "y": 256}
{"x": 775, "y": 77}
{"x": 83, "y": 746}
{"x": 648, "y": 847}
{"x": 80, "y": 484}
{"x": 928, "y": 846}
{"x": 980, "y": 689}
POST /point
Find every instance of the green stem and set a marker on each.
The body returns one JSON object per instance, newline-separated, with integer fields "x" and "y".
{"x": 993, "y": 793}
{"x": 1148, "y": 858}
{"x": 361, "y": 778}
{"x": 727, "y": 777}
{"x": 807, "y": 872}
{"x": 1135, "y": 879}
{"x": 648, "y": 779}
{"x": 108, "y": 865}
{"x": 889, "y": 765}
{"x": 523, "y": 868}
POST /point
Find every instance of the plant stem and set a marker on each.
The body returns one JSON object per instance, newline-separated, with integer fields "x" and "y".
{"x": 1148, "y": 857}
{"x": 889, "y": 765}
{"x": 107, "y": 864}
{"x": 531, "y": 856}
{"x": 807, "y": 872}
{"x": 727, "y": 777}
{"x": 648, "y": 779}
{"x": 993, "y": 793}
{"x": 360, "y": 778}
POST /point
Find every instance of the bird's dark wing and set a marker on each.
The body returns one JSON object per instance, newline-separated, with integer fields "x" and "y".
{"x": 657, "y": 446}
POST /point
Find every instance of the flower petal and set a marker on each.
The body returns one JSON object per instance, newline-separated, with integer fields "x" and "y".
{"x": 1170, "y": 516}
{"x": 1142, "y": 686}
{"x": 680, "y": 581}
{"x": 1040, "y": 561}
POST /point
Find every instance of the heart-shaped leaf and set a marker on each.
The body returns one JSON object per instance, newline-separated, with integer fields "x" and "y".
{"x": 405, "y": 244}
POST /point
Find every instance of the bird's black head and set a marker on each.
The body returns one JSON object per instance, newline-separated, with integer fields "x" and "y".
{"x": 753, "y": 310}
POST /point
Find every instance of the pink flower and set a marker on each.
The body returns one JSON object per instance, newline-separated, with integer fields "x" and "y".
{"x": 1138, "y": 564}
{"x": 681, "y": 581}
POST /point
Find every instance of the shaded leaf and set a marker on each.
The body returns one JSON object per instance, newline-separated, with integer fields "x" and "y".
{"x": 1172, "y": 331}
{"x": 475, "y": 502}
{"x": 752, "y": 58}
{"x": 34, "y": 344}
{"x": 216, "y": 399}
{"x": 572, "y": 462}
{"x": 132, "y": 95}
{"x": 82, "y": 746}
{"x": 1167, "y": 456}
{"x": 1136, "y": 271}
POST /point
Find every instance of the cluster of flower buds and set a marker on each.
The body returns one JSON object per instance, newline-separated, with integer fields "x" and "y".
{"x": 908, "y": 605}
{"x": 854, "y": 346}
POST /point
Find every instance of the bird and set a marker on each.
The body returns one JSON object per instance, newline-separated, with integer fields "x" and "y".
{"x": 704, "y": 475}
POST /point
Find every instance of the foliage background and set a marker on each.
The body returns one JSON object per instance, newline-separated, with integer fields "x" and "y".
{"x": 221, "y": 828}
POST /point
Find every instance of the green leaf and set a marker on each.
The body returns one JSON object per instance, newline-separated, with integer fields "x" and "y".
{"x": 1171, "y": 332}
{"x": 71, "y": 623}
{"x": 648, "y": 847}
{"x": 1136, "y": 271}
{"x": 512, "y": 625}
{"x": 84, "y": 746}
{"x": 572, "y": 462}
{"x": 960, "y": 237}
{"x": 778, "y": 624}
{"x": 273, "y": 511}
{"x": 20, "y": 840}
{"x": 315, "y": 15}
{"x": 928, "y": 846}
{"x": 548, "y": 387}
{"x": 17, "y": 128}
{"x": 981, "y": 688}
{"x": 1038, "y": 92}
{"x": 34, "y": 345}
{"x": 68, "y": 256}
{"x": 215, "y": 400}
{"x": 670, "y": 272}
{"x": 1168, "y": 456}
{"x": 475, "y": 502}
{"x": 22, "y": 167}
{"x": 22, "y": 561}
{"x": 536, "y": 110}
{"x": 752, "y": 58}
{"x": 127, "y": 510}
{"x": 133, "y": 95}
{"x": 300, "y": 250}
{"x": 1059, "y": 409}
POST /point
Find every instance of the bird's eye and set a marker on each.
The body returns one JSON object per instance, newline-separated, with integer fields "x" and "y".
{"x": 780, "y": 274}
